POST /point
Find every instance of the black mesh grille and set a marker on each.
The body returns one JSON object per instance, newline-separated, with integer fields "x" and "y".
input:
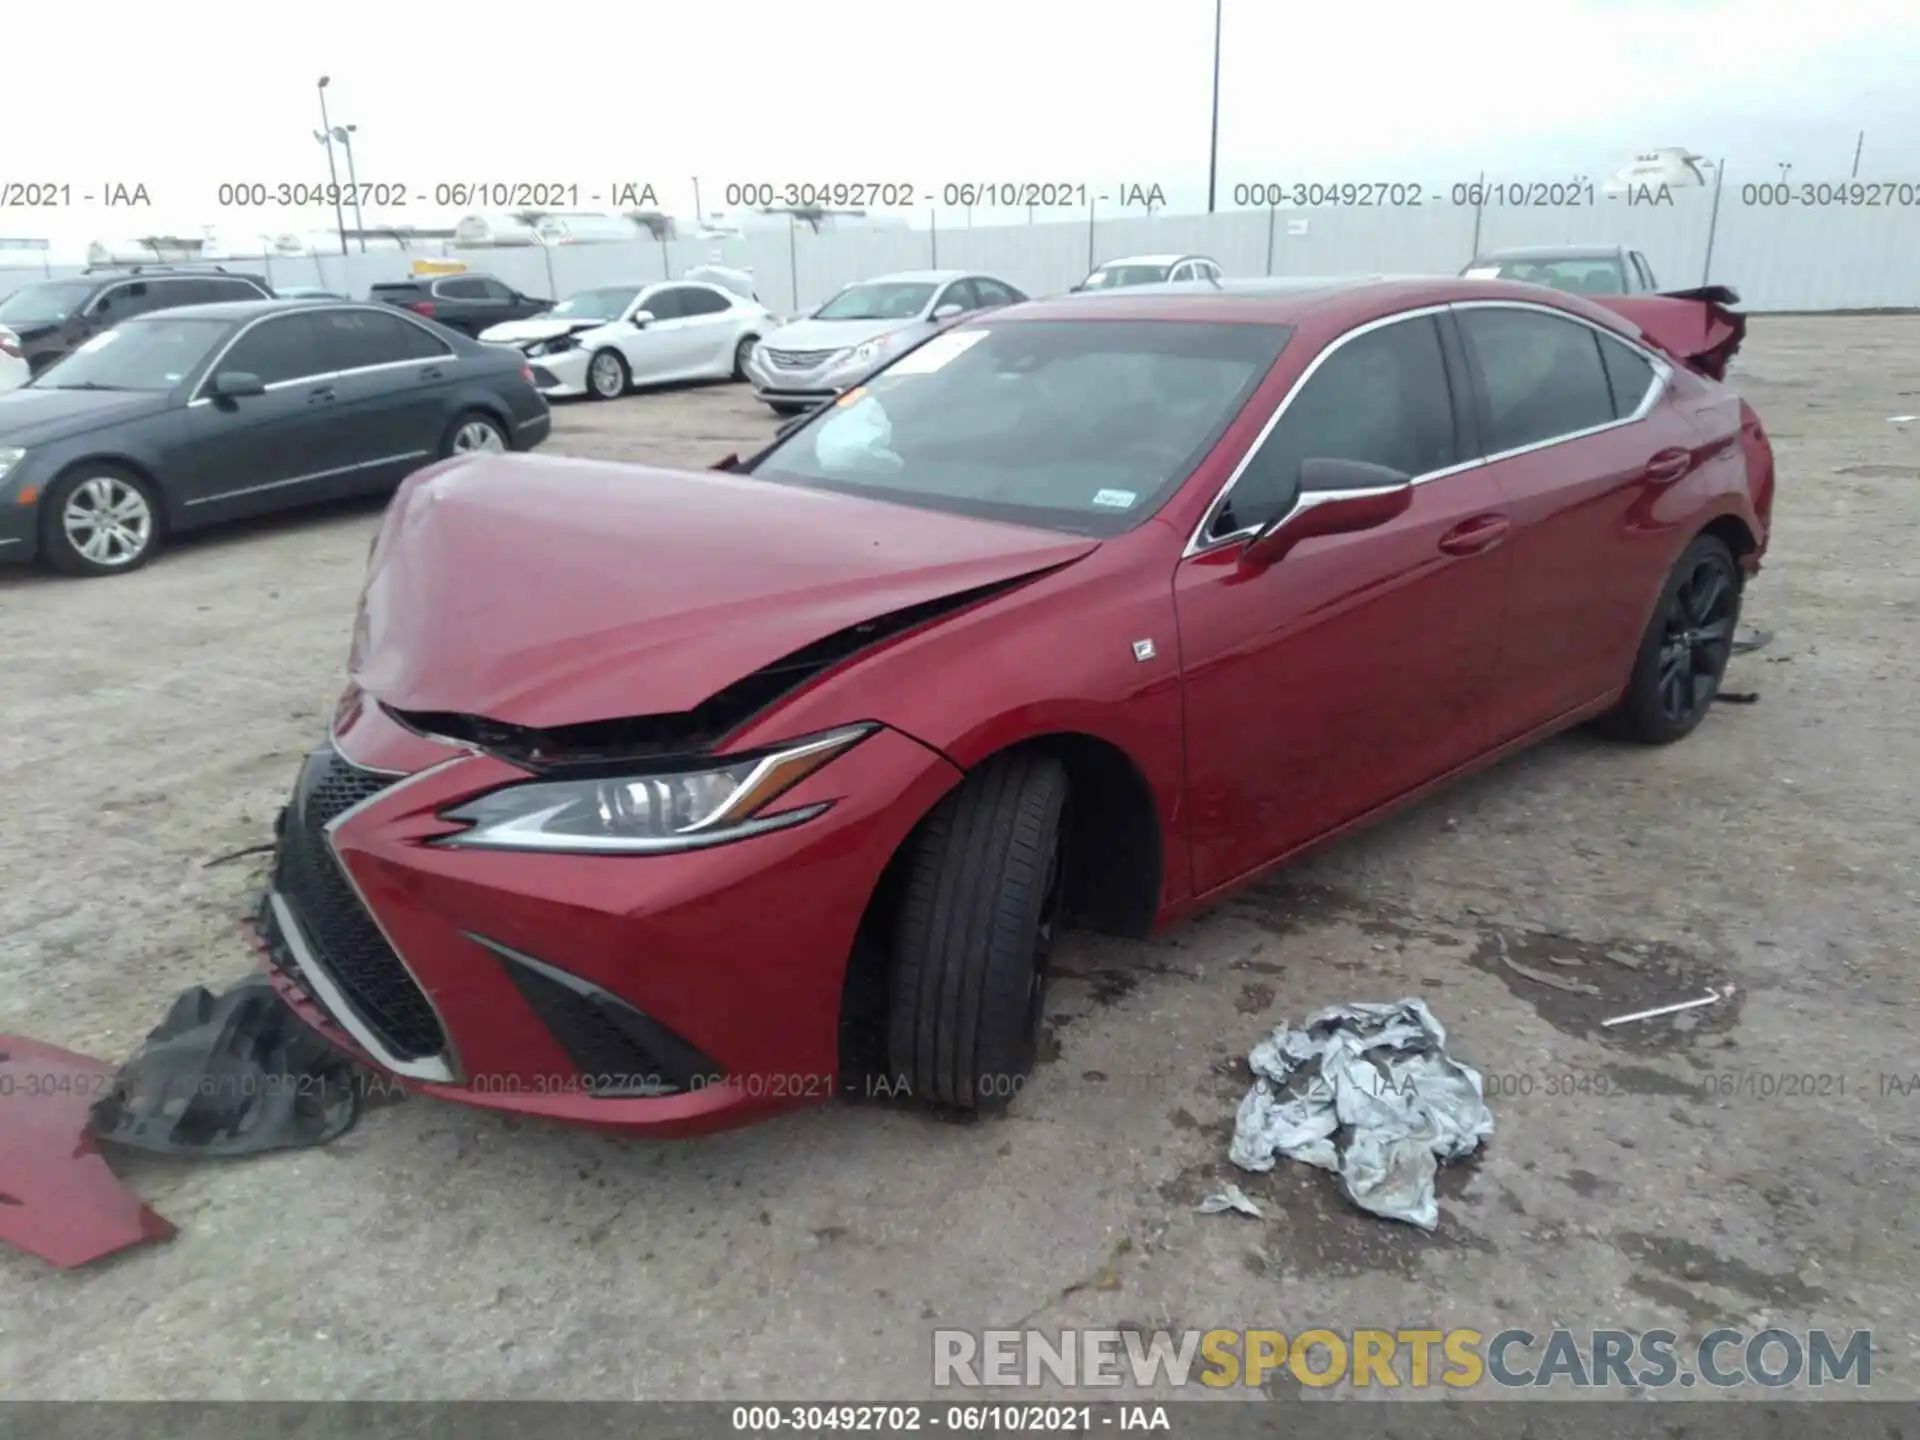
{"x": 308, "y": 876}
{"x": 618, "y": 1049}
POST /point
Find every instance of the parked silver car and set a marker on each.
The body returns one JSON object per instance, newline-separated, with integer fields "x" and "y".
{"x": 828, "y": 352}
{"x": 1150, "y": 270}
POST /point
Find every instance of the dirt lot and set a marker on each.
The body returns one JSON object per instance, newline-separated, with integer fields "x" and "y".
{"x": 152, "y": 723}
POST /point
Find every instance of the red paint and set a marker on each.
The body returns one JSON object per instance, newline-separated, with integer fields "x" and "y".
{"x": 1292, "y": 697}
{"x": 58, "y": 1197}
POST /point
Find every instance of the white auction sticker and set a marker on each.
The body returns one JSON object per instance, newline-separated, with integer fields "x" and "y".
{"x": 1117, "y": 499}
{"x": 938, "y": 352}
{"x": 98, "y": 342}
{"x": 1484, "y": 272}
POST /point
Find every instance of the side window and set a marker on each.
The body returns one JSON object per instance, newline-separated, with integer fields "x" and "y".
{"x": 1542, "y": 375}
{"x": 1645, "y": 272}
{"x": 171, "y": 294}
{"x": 992, "y": 292}
{"x": 665, "y": 303}
{"x": 960, "y": 293}
{"x": 465, "y": 289}
{"x": 1182, "y": 271}
{"x": 120, "y": 301}
{"x": 1629, "y": 376}
{"x": 491, "y": 289}
{"x": 231, "y": 290}
{"x": 354, "y": 339}
{"x": 1382, "y": 397}
{"x": 1211, "y": 270}
{"x": 287, "y": 347}
{"x": 698, "y": 300}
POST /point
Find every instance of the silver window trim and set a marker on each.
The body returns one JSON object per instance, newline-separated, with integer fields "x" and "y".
{"x": 447, "y": 352}
{"x": 315, "y": 475}
{"x": 1199, "y": 542}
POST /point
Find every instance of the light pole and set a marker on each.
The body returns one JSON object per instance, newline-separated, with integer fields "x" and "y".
{"x": 344, "y": 134}
{"x": 325, "y": 136}
{"x": 1213, "y": 145}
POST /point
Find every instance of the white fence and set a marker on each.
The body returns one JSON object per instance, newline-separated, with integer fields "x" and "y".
{"x": 1858, "y": 249}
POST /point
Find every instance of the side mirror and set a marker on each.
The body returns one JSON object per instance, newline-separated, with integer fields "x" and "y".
{"x": 948, "y": 311}
{"x": 640, "y": 319}
{"x": 236, "y": 384}
{"x": 1338, "y": 497}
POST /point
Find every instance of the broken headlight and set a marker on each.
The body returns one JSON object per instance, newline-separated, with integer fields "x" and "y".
{"x": 559, "y": 345}
{"x": 650, "y": 814}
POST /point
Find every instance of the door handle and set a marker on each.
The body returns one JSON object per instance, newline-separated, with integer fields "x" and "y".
{"x": 1470, "y": 537}
{"x": 1669, "y": 465}
{"x": 432, "y": 372}
{"x": 320, "y": 395}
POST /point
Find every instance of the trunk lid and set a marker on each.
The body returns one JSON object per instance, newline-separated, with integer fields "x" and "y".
{"x": 1697, "y": 327}
{"x": 544, "y": 592}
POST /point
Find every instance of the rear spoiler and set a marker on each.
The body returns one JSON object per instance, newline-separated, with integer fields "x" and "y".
{"x": 1696, "y": 327}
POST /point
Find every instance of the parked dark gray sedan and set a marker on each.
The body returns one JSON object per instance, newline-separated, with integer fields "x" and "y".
{"x": 211, "y": 412}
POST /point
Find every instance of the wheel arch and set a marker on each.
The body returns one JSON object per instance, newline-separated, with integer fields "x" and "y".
{"x": 166, "y": 510}
{"x": 1115, "y": 876}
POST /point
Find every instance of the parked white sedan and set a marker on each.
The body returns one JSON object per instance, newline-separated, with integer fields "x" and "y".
{"x": 604, "y": 341}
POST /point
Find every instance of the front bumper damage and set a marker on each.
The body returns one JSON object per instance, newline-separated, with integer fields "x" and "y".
{"x": 557, "y": 374}
{"x": 668, "y": 994}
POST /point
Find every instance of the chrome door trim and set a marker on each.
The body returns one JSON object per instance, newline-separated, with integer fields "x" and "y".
{"x": 316, "y": 475}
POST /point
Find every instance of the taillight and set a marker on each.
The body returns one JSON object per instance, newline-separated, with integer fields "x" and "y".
{"x": 421, "y": 307}
{"x": 526, "y": 373}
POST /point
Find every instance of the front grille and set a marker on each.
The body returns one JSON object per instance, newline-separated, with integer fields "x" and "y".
{"x": 798, "y": 359}
{"x": 620, "y": 1051}
{"x": 337, "y": 925}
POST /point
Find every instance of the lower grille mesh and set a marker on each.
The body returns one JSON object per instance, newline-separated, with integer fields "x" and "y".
{"x": 336, "y": 924}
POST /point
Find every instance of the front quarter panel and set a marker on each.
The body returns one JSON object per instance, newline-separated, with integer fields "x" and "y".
{"x": 1054, "y": 656}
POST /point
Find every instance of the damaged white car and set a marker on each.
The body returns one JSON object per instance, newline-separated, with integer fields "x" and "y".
{"x": 604, "y": 341}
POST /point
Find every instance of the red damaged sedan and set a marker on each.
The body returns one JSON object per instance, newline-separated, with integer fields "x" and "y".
{"x": 666, "y": 800}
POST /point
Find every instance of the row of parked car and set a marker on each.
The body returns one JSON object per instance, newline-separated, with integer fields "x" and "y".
{"x": 154, "y": 400}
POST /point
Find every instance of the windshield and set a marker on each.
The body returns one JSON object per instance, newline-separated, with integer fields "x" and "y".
{"x": 154, "y": 354}
{"x": 1113, "y": 277}
{"x": 1584, "y": 275}
{"x": 55, "y": 301}
{"x": 881, "y": 301}
{"x": 1086, "y": 426}
{"x": 608, "y": 304}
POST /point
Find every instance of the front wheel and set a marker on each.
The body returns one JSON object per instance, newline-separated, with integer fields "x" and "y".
{"x": 976, "y": 929}
{"x": 1685, "y": 649}
{"x": 608, "y": 376}
{"x": 101, "y": 520}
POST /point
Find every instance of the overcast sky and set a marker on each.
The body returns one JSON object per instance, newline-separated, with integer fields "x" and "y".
{"x": 930, "y": 92}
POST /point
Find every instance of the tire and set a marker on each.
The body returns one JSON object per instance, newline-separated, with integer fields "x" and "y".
{"x": 740, "y": 353}
{"x": 1684, "y": 653}
{"x": 603, "y": 370}
{"x": 105, "y": 491}
{"x": 978, "y": 917}
{"x": 464, "y": 436}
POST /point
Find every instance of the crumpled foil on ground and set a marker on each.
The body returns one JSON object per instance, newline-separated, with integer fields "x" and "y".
{"x": 1369, "y": 1093}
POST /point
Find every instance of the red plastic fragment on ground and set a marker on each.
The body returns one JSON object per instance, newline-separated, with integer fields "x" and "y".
{"x": 58, "y": 1196}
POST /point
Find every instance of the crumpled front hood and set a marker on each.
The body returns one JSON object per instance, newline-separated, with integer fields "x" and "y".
{"x": 832, "y": 334}
{"x": 545, "y": 592}
{"x": 521, "y": 332}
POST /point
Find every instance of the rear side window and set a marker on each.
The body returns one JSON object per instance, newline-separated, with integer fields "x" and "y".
{"x": 359, "y": 338}
{"x": 494, "y": 290}
{"x": 697, "y": 300}
{"x": 1382, "y": 398}
{"x": 664, "y": 304}
{"x": 1644, "y": 271}
{"x": 1542, "y": 376}
{"x": 462, "y": 289}
{"x": 1628, "y": 375}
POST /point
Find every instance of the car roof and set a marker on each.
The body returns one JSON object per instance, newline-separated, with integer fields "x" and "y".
{"x": 1554, "y": 252}
{"x": 1150, "y": 260}
{"x": 248, "y": 309}
{"x": 1336, "y": 301}
{"x": 914, "y": 276}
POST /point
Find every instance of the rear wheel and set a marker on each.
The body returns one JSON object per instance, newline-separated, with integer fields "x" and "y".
{"x": 980, "y": 914}
{"x": 607, "y": 375}
{"x": 99, "y": 520}
{"x": 473, "y": 433}
{"x": 740, "y": 354}
{"x": 1685, "y": 650}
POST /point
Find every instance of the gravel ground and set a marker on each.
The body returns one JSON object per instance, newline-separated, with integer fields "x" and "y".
{"x": 1676, "y": 1174}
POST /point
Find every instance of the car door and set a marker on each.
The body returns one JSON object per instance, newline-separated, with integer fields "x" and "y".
{"x": 713, "y": 327}
{"x": 393, "y": 382}
{"x": 668, "y": 346}
{"x": 1351, "y": 670}
{"x": 1581, "y": 472}
{"x": 262, "y": 452}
